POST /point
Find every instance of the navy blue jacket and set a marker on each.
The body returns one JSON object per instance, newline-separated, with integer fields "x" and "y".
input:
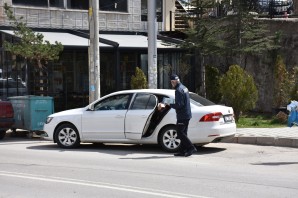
{"x": 182, "y": 102}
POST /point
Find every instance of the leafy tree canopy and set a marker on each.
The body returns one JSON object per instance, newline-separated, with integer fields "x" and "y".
{"x": 236, "y": 34}
{"x": 31, "y": 46}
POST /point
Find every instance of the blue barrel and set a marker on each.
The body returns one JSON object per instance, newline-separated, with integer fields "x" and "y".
{"x": 31, "y": 112}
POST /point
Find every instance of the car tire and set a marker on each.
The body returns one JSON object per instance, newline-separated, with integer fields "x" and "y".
{"x": 2, "y": 134}
{"x": 67, "y": 136}
{"x": 168, "y": 140}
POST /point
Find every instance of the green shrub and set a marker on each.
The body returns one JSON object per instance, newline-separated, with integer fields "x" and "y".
{"x": 139, "y": 80}
{"x": 238, "y": 90}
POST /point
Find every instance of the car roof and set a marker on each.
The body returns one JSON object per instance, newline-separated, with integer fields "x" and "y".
{"x": 169, "y": 92}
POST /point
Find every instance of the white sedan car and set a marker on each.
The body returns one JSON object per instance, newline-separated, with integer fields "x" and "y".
{"x": 132, "y": 116}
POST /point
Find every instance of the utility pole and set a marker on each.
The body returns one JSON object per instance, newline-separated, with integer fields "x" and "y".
{"x": 152, "y": 49}
{"x": 94, "y": 63}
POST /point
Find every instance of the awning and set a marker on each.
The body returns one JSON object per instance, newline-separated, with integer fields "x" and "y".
{"x": 66, "y": 39}
{"x": 124, "y": 41}
{"x": 135, "y": 41}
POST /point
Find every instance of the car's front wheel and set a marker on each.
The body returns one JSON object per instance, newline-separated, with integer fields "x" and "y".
{"x": 67, "y": 136}
{"x": 168, "y": 140}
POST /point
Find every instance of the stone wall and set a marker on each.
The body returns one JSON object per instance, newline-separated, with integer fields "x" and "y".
{"x": 295, "y": 2}
{"x": 261, "y": 67}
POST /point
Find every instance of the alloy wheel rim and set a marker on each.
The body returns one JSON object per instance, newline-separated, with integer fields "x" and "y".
{"x": 67, "y": 136}
{"x": 170, "y": 139}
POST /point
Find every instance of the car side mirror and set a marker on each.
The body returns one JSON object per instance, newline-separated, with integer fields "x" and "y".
{"x": 90, "y": 107}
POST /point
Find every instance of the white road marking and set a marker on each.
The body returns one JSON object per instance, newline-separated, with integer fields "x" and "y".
{"x": 126, "y": 188}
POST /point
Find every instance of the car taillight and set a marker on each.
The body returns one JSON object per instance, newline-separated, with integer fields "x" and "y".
{"x": 211, "y": 117}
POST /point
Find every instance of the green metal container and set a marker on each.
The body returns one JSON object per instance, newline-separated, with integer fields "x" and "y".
{"x": 31, "y": 112}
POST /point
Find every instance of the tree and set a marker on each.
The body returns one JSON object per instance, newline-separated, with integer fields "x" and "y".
{"x": 282, "y": 88}
{"x": 212, "y": 84}
{"x": 245, "y": 34}
{"x": 138, "y": 81}
{"x": 238, "y": 34}
{"x": 203, "y": 38}
{"x": 238, "y": 90}
{"x": 31, "y": 46}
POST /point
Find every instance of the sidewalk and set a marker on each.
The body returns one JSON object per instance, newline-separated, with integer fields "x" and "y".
{"x": 286, "y": 136}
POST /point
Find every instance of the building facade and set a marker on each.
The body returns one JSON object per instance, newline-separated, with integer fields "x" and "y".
{"x": 123, "y": 47}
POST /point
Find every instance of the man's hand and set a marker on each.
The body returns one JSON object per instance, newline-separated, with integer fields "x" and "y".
{"x": 160, "y": 106}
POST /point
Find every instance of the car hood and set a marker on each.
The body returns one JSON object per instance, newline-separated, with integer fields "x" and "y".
{"x": 70, "y": 112}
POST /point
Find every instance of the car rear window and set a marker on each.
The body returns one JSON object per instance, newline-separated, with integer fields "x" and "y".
{"x": 199, "y": 100}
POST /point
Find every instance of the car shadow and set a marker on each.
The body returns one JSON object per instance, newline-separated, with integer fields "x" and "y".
{"x": 274, "y": 163}
{"x": 112, "y": 149}
{"x": 124, "y": 149}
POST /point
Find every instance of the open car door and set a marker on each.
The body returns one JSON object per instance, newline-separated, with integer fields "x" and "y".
{"x": 139, "y": 115}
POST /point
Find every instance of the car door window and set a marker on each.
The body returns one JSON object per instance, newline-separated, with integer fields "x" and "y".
{"x": 144, "y": 101}
{"x": 117, "y": 102}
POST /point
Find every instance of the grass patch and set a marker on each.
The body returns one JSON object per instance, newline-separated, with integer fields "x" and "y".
{"x": 260, "y": 120}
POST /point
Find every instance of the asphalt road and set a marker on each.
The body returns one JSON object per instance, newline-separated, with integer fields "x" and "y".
{"x": 35, "y": 168}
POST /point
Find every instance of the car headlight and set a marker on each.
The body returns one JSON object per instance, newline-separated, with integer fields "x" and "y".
{"x": 49, "y": 119}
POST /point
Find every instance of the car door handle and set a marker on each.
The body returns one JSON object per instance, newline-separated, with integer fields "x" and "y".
{"x": 143, "y": 116}
{"x": 119, "y": 116}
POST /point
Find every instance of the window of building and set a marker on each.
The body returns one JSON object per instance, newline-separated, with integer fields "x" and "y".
{"x": 78, "y": 4}
{"x": 144, "y": 10}
{"x": 39, "y": 3}
{"x": 57, "y": 3}
{"x": 113, "y": 5}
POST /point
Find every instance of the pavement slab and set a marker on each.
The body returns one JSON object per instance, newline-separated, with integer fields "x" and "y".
{"x": 284, "y": 136}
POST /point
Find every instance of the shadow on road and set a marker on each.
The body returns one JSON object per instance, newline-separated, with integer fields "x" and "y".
{"x": 124, "y": 149}
{"x": 275, "y": 163}
{"x": 112, "y": 149}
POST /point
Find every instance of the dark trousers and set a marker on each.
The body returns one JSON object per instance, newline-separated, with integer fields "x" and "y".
{"x": 182, "y": 127}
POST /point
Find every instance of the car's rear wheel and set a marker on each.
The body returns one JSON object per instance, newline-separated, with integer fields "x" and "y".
{"x": 67, "y": 136}
{"x": 2, "y": 134}
{"x": 168, "y": 140}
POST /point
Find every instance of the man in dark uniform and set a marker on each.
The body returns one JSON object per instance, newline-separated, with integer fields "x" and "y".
{"x": 183, "y": 113}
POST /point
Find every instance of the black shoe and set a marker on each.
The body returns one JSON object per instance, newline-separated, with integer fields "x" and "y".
{"x": 179, "y": 154}
{"x": 190, "y": 152}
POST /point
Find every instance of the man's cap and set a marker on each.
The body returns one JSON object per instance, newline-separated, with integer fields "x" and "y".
{"x": 174, "y": 77}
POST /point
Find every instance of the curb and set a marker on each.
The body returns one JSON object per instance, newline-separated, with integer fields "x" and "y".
{"x": 264, "y": 141}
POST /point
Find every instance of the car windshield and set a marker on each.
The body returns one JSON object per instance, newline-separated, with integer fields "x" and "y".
{"x": 199, "y": 100}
